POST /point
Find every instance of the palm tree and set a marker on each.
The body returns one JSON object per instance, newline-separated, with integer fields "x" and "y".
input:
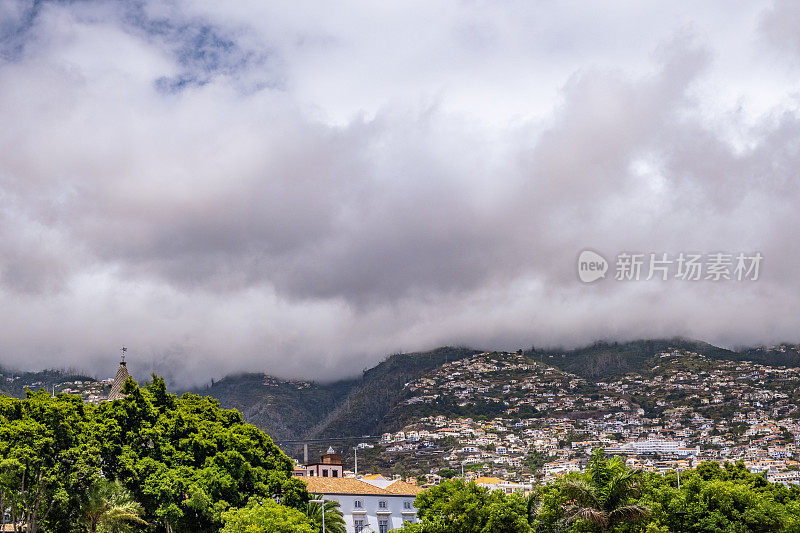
{"x": 602, "y": 497}
{"x": 533, "y": 503}
{"x": 109, "y": 507}
{"x": 334, "y": 520}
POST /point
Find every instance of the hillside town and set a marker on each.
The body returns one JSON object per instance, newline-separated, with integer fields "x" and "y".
{"x": 687, "y": 409}
{"x": 511, "y": 422}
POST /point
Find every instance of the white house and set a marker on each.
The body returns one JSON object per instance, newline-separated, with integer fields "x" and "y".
{"x": 655, "y": 446}
{"x": 378, "y": 504}
{"x": 493, "y": 483}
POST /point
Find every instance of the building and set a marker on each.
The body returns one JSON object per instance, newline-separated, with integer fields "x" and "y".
{"x": 376, "y": 504}
{"x": 788, "y": 477}
{"x": 494, "y": 483}
{"x": 120, "y": 379}
{"x": 329, "y": 465}
{"x": 655, "y": 446}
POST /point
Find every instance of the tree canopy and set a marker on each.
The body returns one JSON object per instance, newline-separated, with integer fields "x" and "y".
{"x": 184, "y": 460}
{"x": 457, "y": 507}
{"x": 608, "y": 496}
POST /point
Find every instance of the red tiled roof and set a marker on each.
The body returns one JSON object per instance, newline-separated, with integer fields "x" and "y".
{"x": 351, "y": 485}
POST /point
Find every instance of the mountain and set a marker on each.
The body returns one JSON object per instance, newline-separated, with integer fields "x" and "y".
{"x": 294, "y": 410}
{"x": 286, "y": 409}
{"x": 14, "y": 383}
{"x": 381, "y": 399}
{"x": 608, "y": 359}
{"x": 781, "y": 355}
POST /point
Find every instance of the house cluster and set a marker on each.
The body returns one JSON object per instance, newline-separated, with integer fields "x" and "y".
{"x": 511, "y": 382}
{"x": 91, "y": 391}
{"x": 88, "y": 389}
{"x": 686, "y": 409}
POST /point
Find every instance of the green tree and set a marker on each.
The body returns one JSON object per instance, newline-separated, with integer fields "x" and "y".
{"x": 187, "y": 461}
{"x": 458, "y": 507}
{"x": 721, "y": 498}
{"x": 109, "y": 507}
{"x": 267, "y": 516}
{"x": 601, "y": 498}
{"x": 447, "y": 473}
{"x": 47, "y": 459}
{"x": 334, "y": 519}
{"x": 534, "y": 461}
{"x": 184, "y": 460}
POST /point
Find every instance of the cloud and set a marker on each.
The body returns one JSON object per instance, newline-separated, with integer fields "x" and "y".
{"x": 777, "y": 28}
{"x": 244, "y": 187}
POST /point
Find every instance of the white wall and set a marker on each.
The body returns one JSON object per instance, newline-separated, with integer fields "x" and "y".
{"x": 394, "y": 504}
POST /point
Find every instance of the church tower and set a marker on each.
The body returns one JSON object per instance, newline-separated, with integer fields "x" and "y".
{"x": 119, "y": 380}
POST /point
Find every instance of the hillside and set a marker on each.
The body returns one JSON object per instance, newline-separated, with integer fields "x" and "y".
{"x": 292, "y": 410}
{"x": 609, "y": 359}
{"x": 493, "y": 384}
{"x": 386, "y": 397}
{"x": 15, "y": 383}
{"x": 284, "y": 409}
{"x": 382, "y": 398}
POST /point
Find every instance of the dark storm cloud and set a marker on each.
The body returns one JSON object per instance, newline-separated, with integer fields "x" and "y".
{"x": 245, "y": 187}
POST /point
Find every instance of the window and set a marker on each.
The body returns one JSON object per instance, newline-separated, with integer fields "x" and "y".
{"x": 325, "y": 473}
{"x": 358, "y": 504}
{"x": 407, "y": 504}
{"x": 383, "y": 526}
{"x": 335, "y": 473}
{"x": 359, "y": 525}
{"x": 382, "y": 504}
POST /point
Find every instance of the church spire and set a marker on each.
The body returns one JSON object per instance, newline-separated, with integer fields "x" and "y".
{"x": 120, "y": 378}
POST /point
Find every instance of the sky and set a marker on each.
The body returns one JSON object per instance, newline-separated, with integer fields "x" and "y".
{"x": 304, "y": 188}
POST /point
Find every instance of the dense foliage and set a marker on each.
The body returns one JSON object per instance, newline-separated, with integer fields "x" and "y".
{"x": 267, "y": 516}
{"x": 458, "y": 507}
{"x": 608, "y": 496}
{"x": 184, "y": 462}
{"x": 711, "y": 498}
{"x": 603, "y": 498}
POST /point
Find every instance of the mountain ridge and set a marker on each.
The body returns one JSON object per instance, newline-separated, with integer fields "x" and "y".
{"x": 367, "y": 405}
{"x": 299, "y": 410}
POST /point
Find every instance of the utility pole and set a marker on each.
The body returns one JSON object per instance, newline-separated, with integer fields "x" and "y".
{"x": 356, "y": 450}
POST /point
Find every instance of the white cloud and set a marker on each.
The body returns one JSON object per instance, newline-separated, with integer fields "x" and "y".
{"x": 227, "y": 187}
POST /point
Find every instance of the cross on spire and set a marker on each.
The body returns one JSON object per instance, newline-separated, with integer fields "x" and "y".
{"x": 123, "y": 350}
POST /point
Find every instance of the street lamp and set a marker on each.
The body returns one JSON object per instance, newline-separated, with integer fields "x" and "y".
{"x": 322, "y": 506}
